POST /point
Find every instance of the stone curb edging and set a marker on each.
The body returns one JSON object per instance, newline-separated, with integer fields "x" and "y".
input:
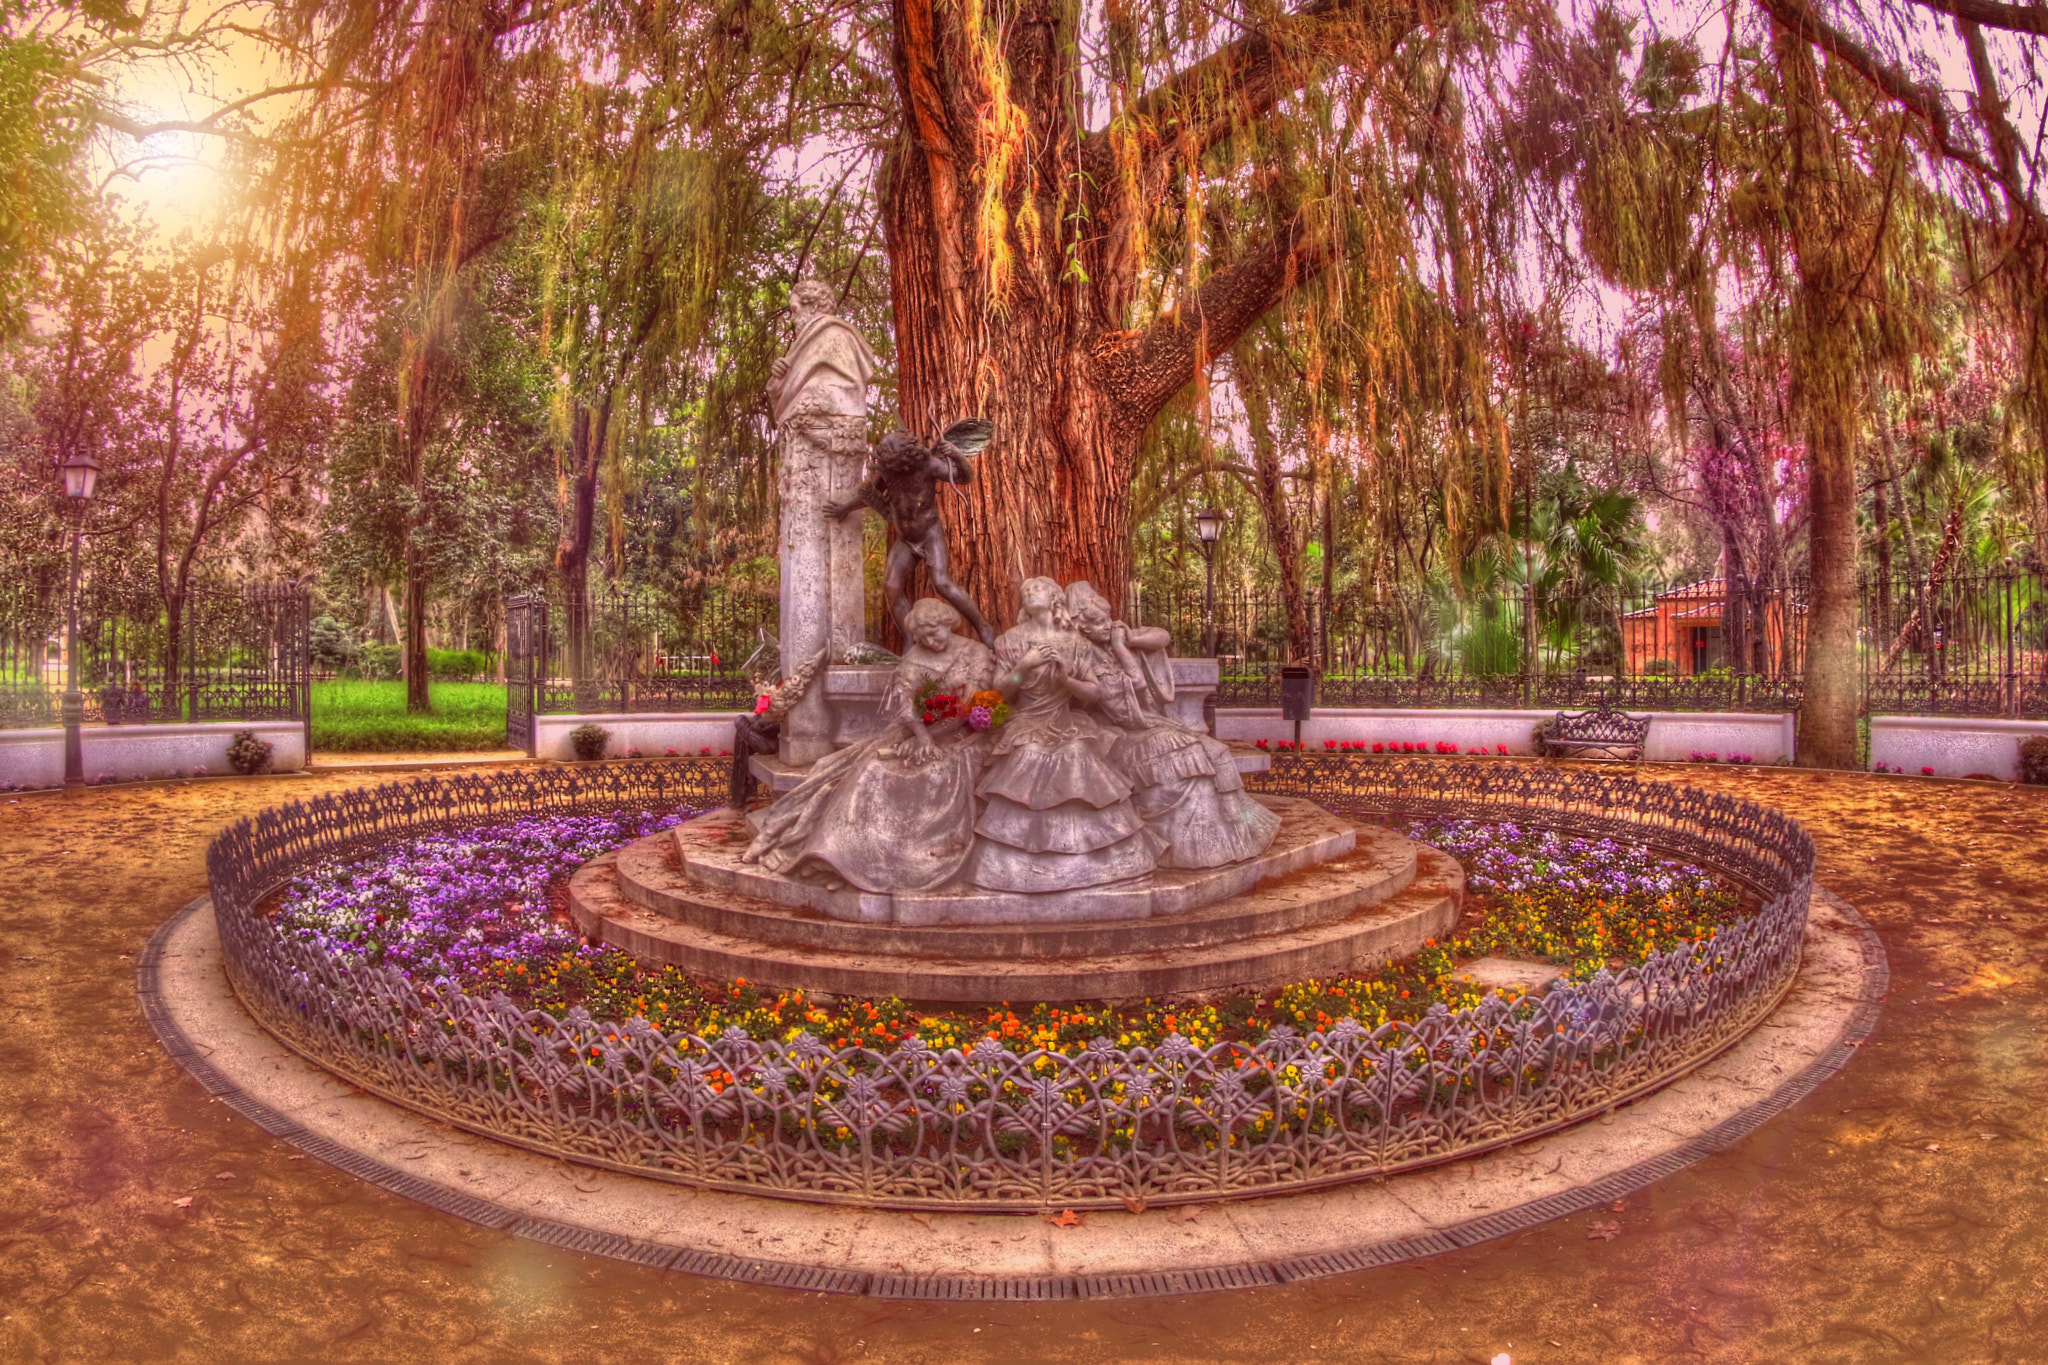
{"x": 1875, "y": 977}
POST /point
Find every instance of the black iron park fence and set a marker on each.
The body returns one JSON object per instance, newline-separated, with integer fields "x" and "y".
{"x": 1964, "y": 644}
{"x": 230, "y": 653}
{"x": 622, "y": 649}
{"x": 1711, "y": 645}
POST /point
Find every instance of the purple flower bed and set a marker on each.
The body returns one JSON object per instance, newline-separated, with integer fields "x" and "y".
{"x": 1508, "y": 857}
{"x": 465, "y": 905}
{"x": 455, "y": 905}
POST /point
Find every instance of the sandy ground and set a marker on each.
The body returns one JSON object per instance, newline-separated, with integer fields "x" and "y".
{"x": 1899, "y": 1213}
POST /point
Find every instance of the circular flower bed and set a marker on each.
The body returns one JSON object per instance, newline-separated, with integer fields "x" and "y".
{"x": 408, "y": 938}
{"x": 483, "y": 910}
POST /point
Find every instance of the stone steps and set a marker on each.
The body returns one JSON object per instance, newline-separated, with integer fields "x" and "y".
{"x": 1426, "y": 907}
{"x": 1380, "y": 866}
{"x": 712, "y": 849}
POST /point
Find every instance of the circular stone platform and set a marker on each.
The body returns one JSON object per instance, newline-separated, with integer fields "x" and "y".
{"x": 1330, "y": 895}
{"x": 1831, "y": 1007}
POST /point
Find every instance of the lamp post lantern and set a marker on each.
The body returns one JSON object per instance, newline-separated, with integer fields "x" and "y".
{"x": 81, "y": 479}
{"x": 1209, "y": 530}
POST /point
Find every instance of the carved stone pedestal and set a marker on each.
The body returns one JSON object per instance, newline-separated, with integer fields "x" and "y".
{"x": 1329, "y": 896}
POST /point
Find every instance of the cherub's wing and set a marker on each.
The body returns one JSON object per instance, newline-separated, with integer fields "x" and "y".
{"x": 971, "y": 436}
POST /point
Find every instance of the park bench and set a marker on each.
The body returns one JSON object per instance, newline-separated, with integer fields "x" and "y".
{"x": 1599, "y": 733}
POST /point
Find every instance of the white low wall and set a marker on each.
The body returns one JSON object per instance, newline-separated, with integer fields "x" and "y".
{"x": 653, "y": 733}
{"x": 31, "y": 758}
{"x": 131, "y": 753}
{"x": 1466, "y": 729}
{"x": 1952, "y": 746}
{"x": 1674, "y": 735}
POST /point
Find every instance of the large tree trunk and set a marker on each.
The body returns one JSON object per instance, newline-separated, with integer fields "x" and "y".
{"x": 1824, "y": 387}
{"x": 1014, "y": 272}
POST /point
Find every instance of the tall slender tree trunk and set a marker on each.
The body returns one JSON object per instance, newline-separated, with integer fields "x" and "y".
{"x": 1280, "y": 532}
{"x": 1824, "y": 387}
{"x": 420, "y": 412}
{"x": 589, "y": 427}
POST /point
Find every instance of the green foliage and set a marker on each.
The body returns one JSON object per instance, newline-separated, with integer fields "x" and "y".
{"x": 378, "y": 663}
{"x": 1491, "y": 646}
{"x": 334, "y": 645}
{"x": 461, "y": 664}
{"x": 370, "y": 717}
{"x": 247, "y": 754}
{"x": 2034, "y": 759}
{"x": 42, "y": 146}
{"x": 589, "y": 741}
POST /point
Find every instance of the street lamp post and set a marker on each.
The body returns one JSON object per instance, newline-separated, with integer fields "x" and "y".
{"x": 81, "y": 477}
{"x": 1208, "y": 530}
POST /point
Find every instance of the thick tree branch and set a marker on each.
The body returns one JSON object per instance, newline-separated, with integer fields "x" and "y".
{"x": 2027, "y": 18}
{"x": 1193, "y": 110}
{"x": 1142, "y": 370}
{"x": 1923, "y": 101}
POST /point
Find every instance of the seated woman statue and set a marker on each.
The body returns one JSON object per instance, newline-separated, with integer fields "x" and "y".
{"x": 1058, "y": 816}
{"x": 896, "y": 811}
{"x": 1187, "y": 785}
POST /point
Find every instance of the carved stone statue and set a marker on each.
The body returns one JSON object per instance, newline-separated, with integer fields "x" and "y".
{"x": 1186, "y": 783}
{"x": 1047, "y": 767}
{"x": 1055, "y": 815}
{"x": 894, "y": 812}
{"x": 817, "y": 392}
{"x": 902, "y": 485}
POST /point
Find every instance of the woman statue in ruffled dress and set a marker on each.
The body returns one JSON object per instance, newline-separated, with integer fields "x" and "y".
{"x": 1187, "y": 785}
{"x": 1058, "y": 815}
{"x": 896, "y": 811}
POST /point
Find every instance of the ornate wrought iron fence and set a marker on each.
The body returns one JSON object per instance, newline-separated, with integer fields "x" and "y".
{"x": 1968, "y": 644}
{"x": 1715, "y": 644}
{"x": 628, "y": 649}
{"x": 988, "y": 1129}
{"x": 525, "y": 624}
{"x": 232, "y": 653}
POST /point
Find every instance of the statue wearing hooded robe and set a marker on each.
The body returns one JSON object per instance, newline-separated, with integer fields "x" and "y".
{"x": 817, "y": 394}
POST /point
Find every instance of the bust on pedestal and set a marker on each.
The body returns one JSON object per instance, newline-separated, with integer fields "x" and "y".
{"x": 817, "y": 392}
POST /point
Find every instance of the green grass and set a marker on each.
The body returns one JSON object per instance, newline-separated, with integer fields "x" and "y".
{"x": 370, "y": 717}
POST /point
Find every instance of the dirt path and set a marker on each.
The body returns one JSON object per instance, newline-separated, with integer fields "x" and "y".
{"x": 1900, "y": 1213}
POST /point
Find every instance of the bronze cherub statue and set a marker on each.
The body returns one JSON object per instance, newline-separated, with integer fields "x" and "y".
{"x": 902, "y": 485}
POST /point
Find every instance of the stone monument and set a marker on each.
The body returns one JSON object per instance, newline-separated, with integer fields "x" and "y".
{"x": 1029, "y": 822}
{"x": 1027, "y": 816}
{"x": 817, "y": 394}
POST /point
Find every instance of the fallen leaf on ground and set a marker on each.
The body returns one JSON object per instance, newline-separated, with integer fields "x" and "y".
{"x": 1066, "y": 1218}
{"x": 1603, "y": 1232}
